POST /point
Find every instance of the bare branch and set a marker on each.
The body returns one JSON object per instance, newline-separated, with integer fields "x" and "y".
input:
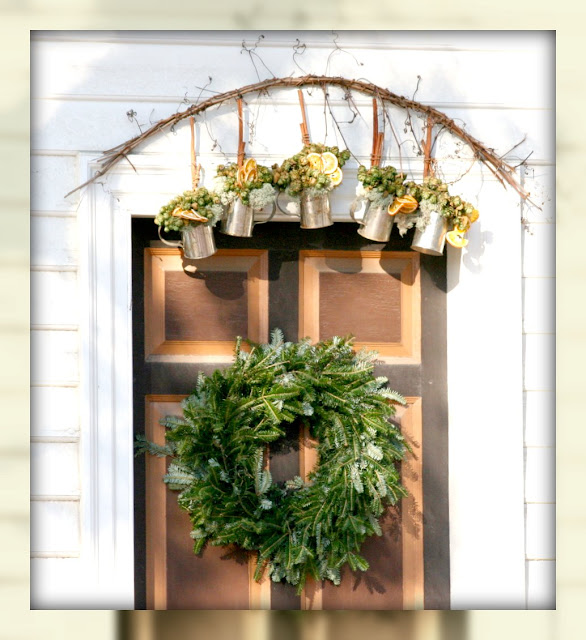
{"x": 505, "y": 172}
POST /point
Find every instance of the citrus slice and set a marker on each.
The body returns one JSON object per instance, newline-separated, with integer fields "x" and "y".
{"x": 408, "y": 204}
{"x": 193, "y": 215}
{"x": 473, "y": 216}
{"x": 241, "y": 176}
{"x": 249, "y": 165}
{"x": 315, "y": 161}
{"x": 336, "y": 177}
{"x": 251, "y": 174}
{"x": 456, "y": 238}
{"x": 177, "y": 211}
{"x": 394, "y": 207}
{"x": 330, "y": 162}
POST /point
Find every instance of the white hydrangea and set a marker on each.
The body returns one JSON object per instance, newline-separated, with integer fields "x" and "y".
{"x": 260, "y": 198}
{"x": 419, "y": 220}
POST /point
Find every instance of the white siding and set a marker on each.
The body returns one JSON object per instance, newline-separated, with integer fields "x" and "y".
{"x": 539, "y": 314}
{"x": 83, "y": 88}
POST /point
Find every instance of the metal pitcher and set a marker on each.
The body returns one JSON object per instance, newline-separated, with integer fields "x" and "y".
{"x": 314, "y": 211}
{"x": 239, "y": 219}
{"x": 376, "y": 224}
{"x": 432, "y": 239}
{"x": 197, "y": 241}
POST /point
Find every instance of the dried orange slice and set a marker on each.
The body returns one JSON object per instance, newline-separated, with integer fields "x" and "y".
{"x": 330, "y": 162}
{"x": 193, "y": 215}
{"x": 249, "y": 165}
{"x": 241, "y": 176}
{"x": 177, "y": 211}
{"x": 336, "y": 177}
{"x": 456, "y": 238}
{"x": 473, "y": 216}
{"x": 315, "y": 161}
{"x": 394, "y": 207}
{"x": 408, "y": 204}
{"x": 251, "y": 174}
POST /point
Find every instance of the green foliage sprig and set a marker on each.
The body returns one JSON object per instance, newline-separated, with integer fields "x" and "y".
{"x": 296, "y": 174}
{"x": 200, "y": 201}
{"x": 296, "y": 528}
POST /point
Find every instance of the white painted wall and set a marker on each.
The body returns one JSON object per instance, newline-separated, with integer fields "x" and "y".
{"x": 500, "y": 333}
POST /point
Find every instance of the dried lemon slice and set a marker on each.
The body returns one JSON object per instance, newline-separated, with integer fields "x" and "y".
{"x": 336, "y": 177}
{"x": 315, "y": 161}
{"x": 408, "y": 204}
{"x": 330, "y": 162}
{"x": 456, "y": 238}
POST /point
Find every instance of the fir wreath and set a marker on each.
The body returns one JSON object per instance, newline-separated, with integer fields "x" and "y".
{"x": 218, "y": 448}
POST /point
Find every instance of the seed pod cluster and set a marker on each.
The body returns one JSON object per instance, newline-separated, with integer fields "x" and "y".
{"x": 385, "y": 180}
{"x": 244, "y": 182}
{"x": 304, "y": 171}
{"x": 435, "y": 192}
{"x": 199, "y": 201}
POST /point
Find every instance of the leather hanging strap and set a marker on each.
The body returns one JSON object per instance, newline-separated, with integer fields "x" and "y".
{"x": 303, "y": 125}
{"x": 377, "y": 137}
{"x": 195, "y": 168}
{"x": 241, "y": 142}
{"x": 427, "y": 159}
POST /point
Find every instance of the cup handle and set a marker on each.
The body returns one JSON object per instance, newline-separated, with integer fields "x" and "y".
{"x": 353, "y": 208}
{"x": 283, "y": 211}
{"x": 269, "y": 218}
{"x": 174, "y": 243}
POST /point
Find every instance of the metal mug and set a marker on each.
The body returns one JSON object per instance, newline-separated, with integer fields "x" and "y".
{"x": 432, "y": 239}
{"x": 314, "y": 211}
{"x": 239, "y": 219}
{"x": 197, "y": 241}
{"x": 376, "y": 224}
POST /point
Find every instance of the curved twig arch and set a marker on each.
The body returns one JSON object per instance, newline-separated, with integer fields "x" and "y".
{"x": 503, "y": 172}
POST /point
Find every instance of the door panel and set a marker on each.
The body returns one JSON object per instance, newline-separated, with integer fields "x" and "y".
{"x": 391, "y": 299}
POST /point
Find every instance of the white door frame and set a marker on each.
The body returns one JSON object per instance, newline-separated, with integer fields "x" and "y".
{"x": 485, "y": 397}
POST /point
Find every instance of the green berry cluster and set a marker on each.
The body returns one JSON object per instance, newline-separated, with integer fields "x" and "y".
{"x": 229, "y": 171}
{"x": 199, "y": 200}
{"x": 296, "y": 174}
{"x": 386, "y": 180}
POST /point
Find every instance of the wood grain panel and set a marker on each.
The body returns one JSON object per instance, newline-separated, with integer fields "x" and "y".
{"x": 385, "y": 310}
{"x": 213, "y": 306}
{"x": 200, "y": 314}
{"x": 367, "y": 305}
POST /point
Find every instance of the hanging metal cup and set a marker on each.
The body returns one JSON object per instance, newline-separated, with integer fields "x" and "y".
{"x": 314, "y": 211}
{"x": 376, "y": 223}
{"x": 197, "y": 241}
{"x": 432, "y": 239}
{"x": 239, "y": 219}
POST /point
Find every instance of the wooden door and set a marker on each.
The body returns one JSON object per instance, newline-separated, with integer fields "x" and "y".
{"x": 318, "y": 284}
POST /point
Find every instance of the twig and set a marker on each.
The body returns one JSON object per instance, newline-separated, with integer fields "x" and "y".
{"x": 487, "y": 156}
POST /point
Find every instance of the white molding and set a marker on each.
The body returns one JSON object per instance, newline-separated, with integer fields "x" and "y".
{"x": 486, "y": 431}
{"x": 106, "y": 400}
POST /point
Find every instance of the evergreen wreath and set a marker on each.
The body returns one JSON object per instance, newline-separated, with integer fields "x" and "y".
{"x": 218, "y": 448}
